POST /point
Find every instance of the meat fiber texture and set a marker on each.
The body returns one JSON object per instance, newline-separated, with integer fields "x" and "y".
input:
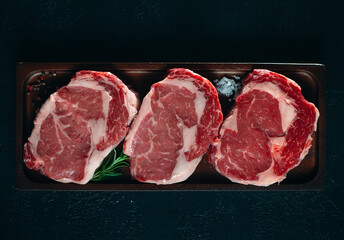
{"x": 177, "y": 121}
{"x": 79, "y": 125}
{"x": 267, "y": 133}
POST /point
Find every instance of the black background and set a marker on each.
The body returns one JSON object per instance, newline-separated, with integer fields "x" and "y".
{"x": 229, "y": 31}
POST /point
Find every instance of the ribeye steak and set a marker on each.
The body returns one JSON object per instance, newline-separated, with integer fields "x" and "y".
{"x": 79, "y": 125}
{"x": 177, "y": 121}
{"x": 267, "y": 133}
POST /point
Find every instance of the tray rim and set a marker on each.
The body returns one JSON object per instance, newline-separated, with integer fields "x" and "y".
{"x": 24, "y": 69}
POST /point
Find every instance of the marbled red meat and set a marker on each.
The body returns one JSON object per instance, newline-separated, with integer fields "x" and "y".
{"x": 267, "y": 133}
{"x": 79, "y": 125}
{"x": 177, "y": 121}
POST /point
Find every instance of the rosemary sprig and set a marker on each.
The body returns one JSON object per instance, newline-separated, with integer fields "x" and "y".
{"x": 108, "y": 169}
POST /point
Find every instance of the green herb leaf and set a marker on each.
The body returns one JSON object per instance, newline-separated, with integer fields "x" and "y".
{"x": 108, "y": 169}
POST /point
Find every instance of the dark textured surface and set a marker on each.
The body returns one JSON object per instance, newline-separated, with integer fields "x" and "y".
{"x": 267, "y": 31}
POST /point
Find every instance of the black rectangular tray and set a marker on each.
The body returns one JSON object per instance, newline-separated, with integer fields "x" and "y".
{"x": 309, "y": 175}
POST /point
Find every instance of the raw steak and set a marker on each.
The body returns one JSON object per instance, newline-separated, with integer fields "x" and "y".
{"x": 267, "y": 133}
{"x": 79, "y": 125}
{"x": 178, "y": 119}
